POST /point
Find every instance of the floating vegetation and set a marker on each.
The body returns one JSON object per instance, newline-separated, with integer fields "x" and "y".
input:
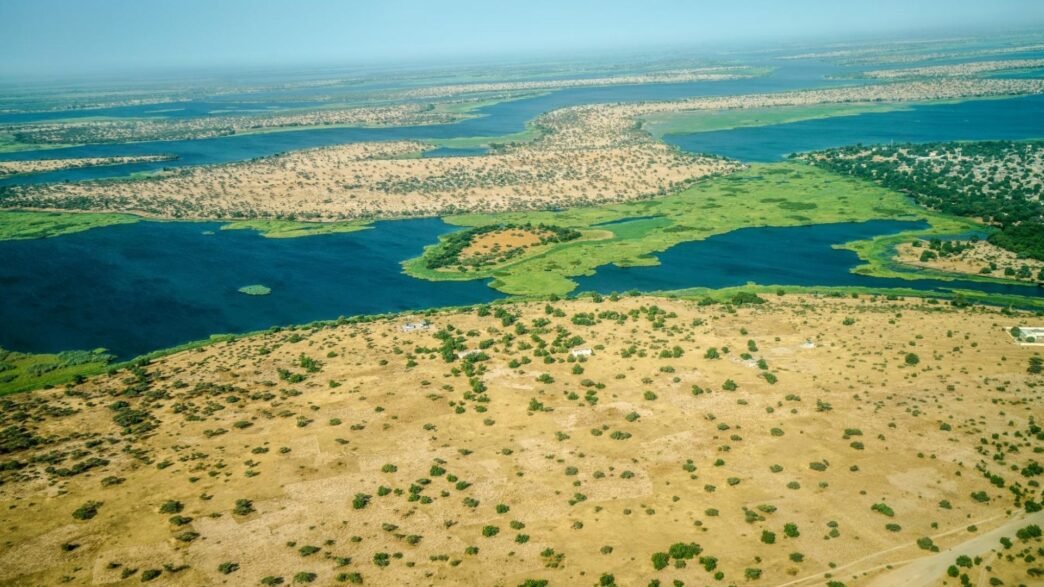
{"x": 255, "y": 290}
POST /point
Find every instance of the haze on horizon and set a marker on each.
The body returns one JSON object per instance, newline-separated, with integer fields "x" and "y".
{"x": 63, "y": 37}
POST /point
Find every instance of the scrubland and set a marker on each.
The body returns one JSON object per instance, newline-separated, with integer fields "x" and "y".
{"x": 792, "y": 440}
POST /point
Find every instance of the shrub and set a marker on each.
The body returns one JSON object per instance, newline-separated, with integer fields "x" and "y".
{"x": 228, "y": 568}
{"x": 171, "y": 507}
{"x": 87, "y": 510}
{"x": 883, "y": 509}
{"x": 681, "y": 550}
{"x": 243, "y": 507}
{"x": 927, "y": 544}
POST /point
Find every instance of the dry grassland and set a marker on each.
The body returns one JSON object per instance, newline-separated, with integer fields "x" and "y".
{"x": 363, "y": 454}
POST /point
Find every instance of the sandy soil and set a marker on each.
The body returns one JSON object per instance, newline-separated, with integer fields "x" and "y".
{"x": 971, "y": 261}
{"x": 661, "y": 77}
{"x": 41, "y": 165}
{"x": 955, "y": 70}
{"x": 598, "y": 464}
{"x": 370, "y": 180}
{"x": 588, "y": 155}
{"x": 502, "y": 241}
{"x": 157, "y": 129}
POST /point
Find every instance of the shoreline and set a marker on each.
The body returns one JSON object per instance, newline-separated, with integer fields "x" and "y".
{"x": 956, "y": 298}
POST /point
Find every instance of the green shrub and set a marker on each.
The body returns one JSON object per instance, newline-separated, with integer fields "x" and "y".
{"x": 87, "y": 511}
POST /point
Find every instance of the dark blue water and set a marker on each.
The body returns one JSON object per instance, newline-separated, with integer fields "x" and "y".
{"x": 140, "y": 287}
{"x": 800, "y": 255}
{"x": 1010, "y": 119}
{"x": 624, "y": 220}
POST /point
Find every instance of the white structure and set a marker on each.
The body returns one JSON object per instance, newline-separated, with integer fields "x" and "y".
{"x": 462, "y": 354}
{"x": 412, "y": 326}
{"x": 580, "y": 352}
{"x": 1027, "y": 335}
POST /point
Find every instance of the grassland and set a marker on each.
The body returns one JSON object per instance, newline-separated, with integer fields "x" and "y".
{"x": 785, "y": 194}
{"x": 26, "y": 371}
{"x": 18, "y": 225}
{"x": 695, "y": 121}
{"x": 799, "y": 440}
{"x": 26, "y": 224}
{"x": 293, "y": 229}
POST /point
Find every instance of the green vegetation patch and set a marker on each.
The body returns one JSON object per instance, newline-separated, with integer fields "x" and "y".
{"x": 996, "y": 181}
{"x": 19, "y": 225}
{"x": 694, "y": 121}
{"x": 255, "y": 290}
{"x": 294, "y": 229}
{"x": 23, "y": 371}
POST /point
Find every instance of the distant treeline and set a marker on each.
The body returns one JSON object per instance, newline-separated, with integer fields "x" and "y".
{"x": 999, "y": 182}
{"x": 449, "y": 250}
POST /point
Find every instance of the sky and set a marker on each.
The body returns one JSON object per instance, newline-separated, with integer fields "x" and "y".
{"x": 55, "y": 37}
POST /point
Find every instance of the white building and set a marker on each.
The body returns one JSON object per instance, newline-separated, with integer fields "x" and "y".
{"x": 412, "y": 326}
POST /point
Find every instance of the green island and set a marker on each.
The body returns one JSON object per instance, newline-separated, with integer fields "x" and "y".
{"x": 19, "y": 224}
{"x": 255, "y": 290}
{"x": 32, "y": 224}
{"x": 295, "y": 229}
{"x": 695, "y": 121}
{"x": 492, "y": 245}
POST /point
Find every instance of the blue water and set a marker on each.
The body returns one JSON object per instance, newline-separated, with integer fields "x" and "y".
{"x": 456, "y": 152}
{"x": 625, "y": 220}
{"x": 141, "y": 287}
{"x": 495, "y": 120}
{"x": 800, "y": 255}
{"x": 1011, "y": 119}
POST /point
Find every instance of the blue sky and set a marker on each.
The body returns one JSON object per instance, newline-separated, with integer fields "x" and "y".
{"x": 61, "y": 36}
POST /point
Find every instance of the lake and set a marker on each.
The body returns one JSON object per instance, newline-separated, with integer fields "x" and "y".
{"x": 141, "y": 287}
{"x": 1008, "y": 119}
{"x": 801, "y": 255}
